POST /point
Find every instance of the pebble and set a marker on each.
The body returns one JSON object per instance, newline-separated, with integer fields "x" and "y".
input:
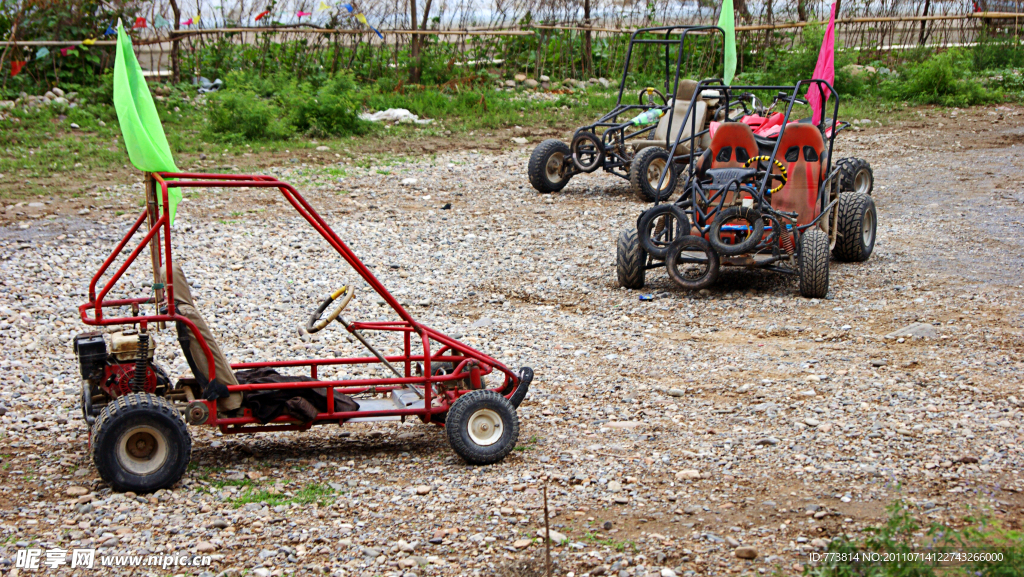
{"x": 688, "y": 474}
{"x": 555, "y": 536}
{"x": 628, "y": 391}
{"x": 745, "y": 553}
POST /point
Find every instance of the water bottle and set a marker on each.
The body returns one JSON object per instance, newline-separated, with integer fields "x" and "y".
{"x": 648, "y": 117}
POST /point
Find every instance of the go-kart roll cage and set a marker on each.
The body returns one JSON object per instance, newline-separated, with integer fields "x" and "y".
{"x": 715, "y": 202}
{"x": 616, "y": 158}
{"x": 467, "y": 363}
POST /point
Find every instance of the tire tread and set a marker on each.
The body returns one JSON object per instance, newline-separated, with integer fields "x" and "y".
{"x": 123, "y": 407}
{"x": 536, "y": 168}
{"x": 848, "y": 169}
{"x": 456, "y": 416}
{"x": 813, "y": 259}
{"x": 638, "y": 175}
{"x": 850, "y": 241}
{"x": 630, "y": 259}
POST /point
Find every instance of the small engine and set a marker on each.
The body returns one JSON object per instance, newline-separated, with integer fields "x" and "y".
{"x": 118, "y": 371}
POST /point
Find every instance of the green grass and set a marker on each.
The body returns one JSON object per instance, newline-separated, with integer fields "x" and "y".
{"x": 314, "y": 493}
{"x": 42, "y": 155}
{"x": 42, "y": 146}
{"x": 529, "y": 445}
{"x": 597, "y": 539}
{"x": 919, "y": 549}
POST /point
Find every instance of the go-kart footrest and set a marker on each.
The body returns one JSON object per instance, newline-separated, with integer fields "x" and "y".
{"x": 398, "y": 399}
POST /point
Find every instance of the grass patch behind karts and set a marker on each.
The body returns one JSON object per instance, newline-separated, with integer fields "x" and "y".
{"x": 258, "y": 116}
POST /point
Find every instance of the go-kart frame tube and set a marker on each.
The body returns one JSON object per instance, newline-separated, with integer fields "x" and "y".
{"x": 468, "y": 363}
{"x": 608, "y": 121}
{"x": 668, "y": 30}
{"x": 763, "y": 185}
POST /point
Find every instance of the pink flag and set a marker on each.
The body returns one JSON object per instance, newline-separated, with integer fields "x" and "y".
{"x": 825, "y": 69}
{"x": 301, "y": 13}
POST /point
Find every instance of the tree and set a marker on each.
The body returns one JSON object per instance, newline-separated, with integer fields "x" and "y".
{"x": 588, "y": 59}
{"x": 175, "y": 45}
{"x": 741, "y": 7}
{"x": 418, "y": 40}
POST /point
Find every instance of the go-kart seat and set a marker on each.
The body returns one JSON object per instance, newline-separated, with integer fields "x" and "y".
{"x": 801, "y": 149}
{"x": 680, "y": 104}
{"x": 193, "y": 350}
{"x": 731, "y": 147}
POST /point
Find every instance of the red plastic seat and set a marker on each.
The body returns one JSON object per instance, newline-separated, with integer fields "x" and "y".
{"x": 732, "y": 145}
{"x": 801, "y": 148}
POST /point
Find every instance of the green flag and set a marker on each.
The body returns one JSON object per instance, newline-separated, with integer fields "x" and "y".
{"x": 727, "y": 22}
{"x": 140, "y": 124}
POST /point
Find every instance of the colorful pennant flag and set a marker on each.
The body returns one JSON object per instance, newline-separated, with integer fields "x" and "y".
{"x": 362, "y": 19}
{"x": 43, "y": 52}
{"x": 727, "y": 22}
{"x": 160, "y": 22}
{"x": 324, "y": 6}
{"x": 110, "y": 30}
{"x": 824, "y": 69}
{"x": 140, "y": 124}
{"x": 64, "y": 51}
{"x": 16, "y": 66}
{"x": 89, "y": 41}
{"x": 261, "y": 15}
{"x": 301, "y": 13}
{"x": 139, "y": 23}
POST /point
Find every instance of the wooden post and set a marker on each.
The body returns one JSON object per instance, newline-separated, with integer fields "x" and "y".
{"x": 152, "y": 208}
{"x": 547, "y": 535}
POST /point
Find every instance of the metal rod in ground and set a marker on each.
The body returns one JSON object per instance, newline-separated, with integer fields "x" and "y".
{"x": 547, "y": 535}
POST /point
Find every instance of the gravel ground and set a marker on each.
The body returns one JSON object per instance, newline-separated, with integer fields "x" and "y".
{"x": 674, "y": 435}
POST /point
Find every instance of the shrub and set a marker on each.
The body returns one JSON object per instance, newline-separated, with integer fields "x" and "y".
{"x": 993, "y": 52}
{"x": 240, "y": 116}
{"x": 332, "y": 110}
{"x": 944, "y": 79}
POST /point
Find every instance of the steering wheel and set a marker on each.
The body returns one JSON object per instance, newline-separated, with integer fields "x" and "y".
{"x": 782, "y": 168}
{"x": 649, "y": 92}
{"x": 317, "y": 321}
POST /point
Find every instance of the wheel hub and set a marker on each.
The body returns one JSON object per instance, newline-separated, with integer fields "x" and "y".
{"x": 141, "y": 445}
{"x": 868, "y": 228}
{"x": 860, "y": 182}
{"x": 553, "y": 169}
{"x": 485, "y": 427}
{"x": 142, "y": 450}
{"x": 654, "y": 173}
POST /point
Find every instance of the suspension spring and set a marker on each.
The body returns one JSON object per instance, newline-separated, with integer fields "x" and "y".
{"x": 141, "y": 364}
{"x": 786, "y": 240}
